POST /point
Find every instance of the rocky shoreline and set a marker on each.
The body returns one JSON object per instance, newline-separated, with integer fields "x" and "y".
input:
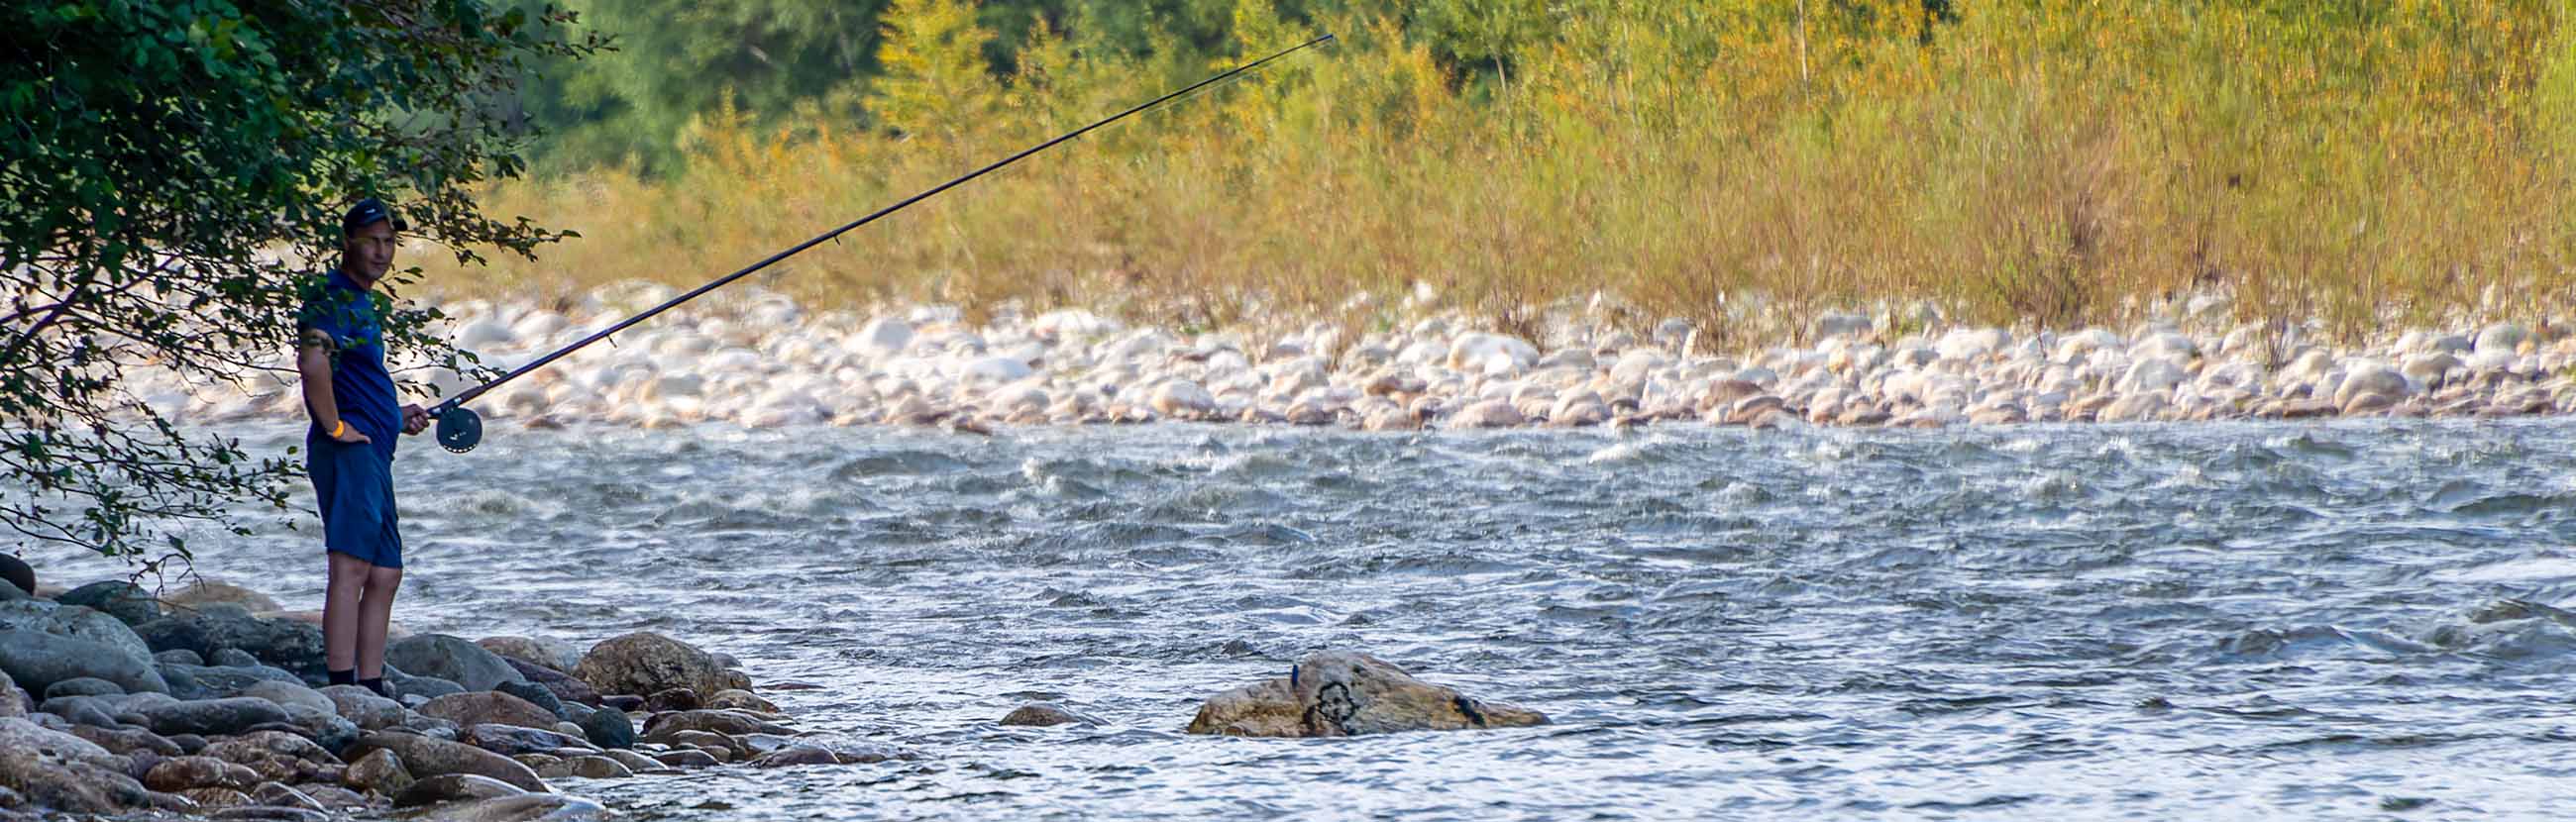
{"x": 203, "y": 704}
{"x": 761, "y": 361}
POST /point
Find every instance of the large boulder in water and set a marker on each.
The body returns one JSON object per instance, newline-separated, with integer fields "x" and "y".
{"x": 647, "y": 662}
{"x": 454, "y": 659}
{"x": 1347, "y": 694}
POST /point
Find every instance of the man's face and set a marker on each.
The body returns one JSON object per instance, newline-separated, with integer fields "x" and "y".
{"x": 371, "y": 251}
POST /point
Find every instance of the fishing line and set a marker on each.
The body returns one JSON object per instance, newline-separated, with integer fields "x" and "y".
{"x": 460, "y": 428}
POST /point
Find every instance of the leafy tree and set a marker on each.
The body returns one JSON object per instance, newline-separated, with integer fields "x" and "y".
{"x": 677, "y": 60}
{"x": 170, "y": 182}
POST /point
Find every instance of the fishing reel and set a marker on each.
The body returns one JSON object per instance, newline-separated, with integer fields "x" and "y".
{"x": 459, "y": 428}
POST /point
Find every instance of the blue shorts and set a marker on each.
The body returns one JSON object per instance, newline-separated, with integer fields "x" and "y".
{"x": 355, "y": 485}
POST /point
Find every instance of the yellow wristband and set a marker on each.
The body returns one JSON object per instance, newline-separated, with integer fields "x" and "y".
{"x": 341, "y": 428}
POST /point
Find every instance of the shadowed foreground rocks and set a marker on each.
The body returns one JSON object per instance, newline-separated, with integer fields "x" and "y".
{"x": 1349, "y": 694}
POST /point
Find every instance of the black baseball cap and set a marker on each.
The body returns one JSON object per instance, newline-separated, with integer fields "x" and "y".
{"x": 369, "y": 212}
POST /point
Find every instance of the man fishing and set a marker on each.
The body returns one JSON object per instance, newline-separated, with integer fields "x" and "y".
{"x": 349, "y": 451}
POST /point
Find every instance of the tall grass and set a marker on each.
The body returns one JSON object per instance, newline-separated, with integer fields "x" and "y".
{"x": 2050, "y": 162}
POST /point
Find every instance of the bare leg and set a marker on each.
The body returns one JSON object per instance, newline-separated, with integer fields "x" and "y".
{"x": 375, "y": 609}
{"x": 340, "y": 606}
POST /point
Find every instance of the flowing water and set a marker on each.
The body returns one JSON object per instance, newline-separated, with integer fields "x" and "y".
{"x": 2205, "y": 621}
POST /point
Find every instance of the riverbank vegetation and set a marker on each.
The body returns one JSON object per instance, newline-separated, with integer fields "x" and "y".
{"x": 2045, "y": 162}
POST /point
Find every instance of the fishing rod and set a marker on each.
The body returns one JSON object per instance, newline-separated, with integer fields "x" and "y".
{"x": 460, "y": 428}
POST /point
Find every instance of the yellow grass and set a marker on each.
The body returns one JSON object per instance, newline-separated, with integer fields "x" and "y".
{"x": 2051, "y": 162}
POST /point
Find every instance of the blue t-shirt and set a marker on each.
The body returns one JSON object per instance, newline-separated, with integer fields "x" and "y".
{"x": 359, "y": 382}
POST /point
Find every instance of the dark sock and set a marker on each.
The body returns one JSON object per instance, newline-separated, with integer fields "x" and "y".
{"x": 375, "y": 685}
{"x": 348, "y": 677}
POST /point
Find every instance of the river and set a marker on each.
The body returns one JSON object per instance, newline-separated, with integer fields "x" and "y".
{"x": 2223, "y": 621}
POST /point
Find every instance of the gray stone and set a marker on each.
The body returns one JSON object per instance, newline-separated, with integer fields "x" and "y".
{"x": 452, "y": 787}
{"x": 211, "y": 717}
{"x": 513, "y": 740}
{"x": 1348, "y": 694}
{"x": 266, "y": 812}
{"x": 217, "y": 681}
{"x": 179, "y": 656}
{"x": 565, "y": 688}
{"x": 425, "y": 688}
{"x": 127, "y": 741}
{"x": 288, "y": 644}
{"x": 358, "y": 705}
{"x": 544, "y": 652}
{"x": 290, "y": 694}
{"x": 83, "y": 686}
{"x": 535, "y": 807}
{"x": 829, "y": 751}
{"x": 453, "y": 659}
{"x": 235, "y": 658}
{"x": 534, "y": 694}
{"x": 125, "y": 601}
{"x": 37, "y": 660}
{"x": 71, "y": 621}
{"x": 608, "y": 729}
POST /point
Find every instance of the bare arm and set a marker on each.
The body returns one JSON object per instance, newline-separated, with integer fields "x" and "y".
{"x": 313, "y": 362}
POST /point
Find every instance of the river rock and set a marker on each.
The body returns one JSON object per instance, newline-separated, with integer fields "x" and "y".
{"x": 214, "y": 800}
{"x": 36, "y": 660}
{"x": 19, "y": 578}
{"x": 687, "y": 758}
{"x": 672, "y": 699}
{"x": 534, "y": 694}
{"x": 125, "y": 601}
{"x": 363, "y": 707}
{"x": 210, "y": 717}
{"x": 488, "y": 707}
{"x": 453, "y": 659}
{"x": 52, "y": 769}
{"x": 513, "y": 740}
{"x": 565, "y": 687}
{"x": 451, "y": 788}
{"x": 379, "y": 772}
{"x": 535, "y": 807}
{"x": 1041, "y": 714}
{"x": 73, "y": 621}
{"x": 181, "y": 773}
{"x": 597, "y": 767}
{"x": 234, "y": 658}
{"x": 216, "y": 681}
{"x": 830, "y": 751}
{"x": 178, "y": 656}
{"x": 127, "y": 741}
{"x": 291, "y": 694}
{"x": 740, "y": 700}
{"x": 1348, "y": 694}
{"x": 425, "y": 757}
{"x": 204, "y": 592}
{"x": 646, "y": 662}
{"x": 547, "y": 652}
{"x": 83, "y": 686}
{"x": 719, "y": 722}
{"x": 608, "y": 729}
{"x": 207, "y": 630}
{"x": 409, "y": 688}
